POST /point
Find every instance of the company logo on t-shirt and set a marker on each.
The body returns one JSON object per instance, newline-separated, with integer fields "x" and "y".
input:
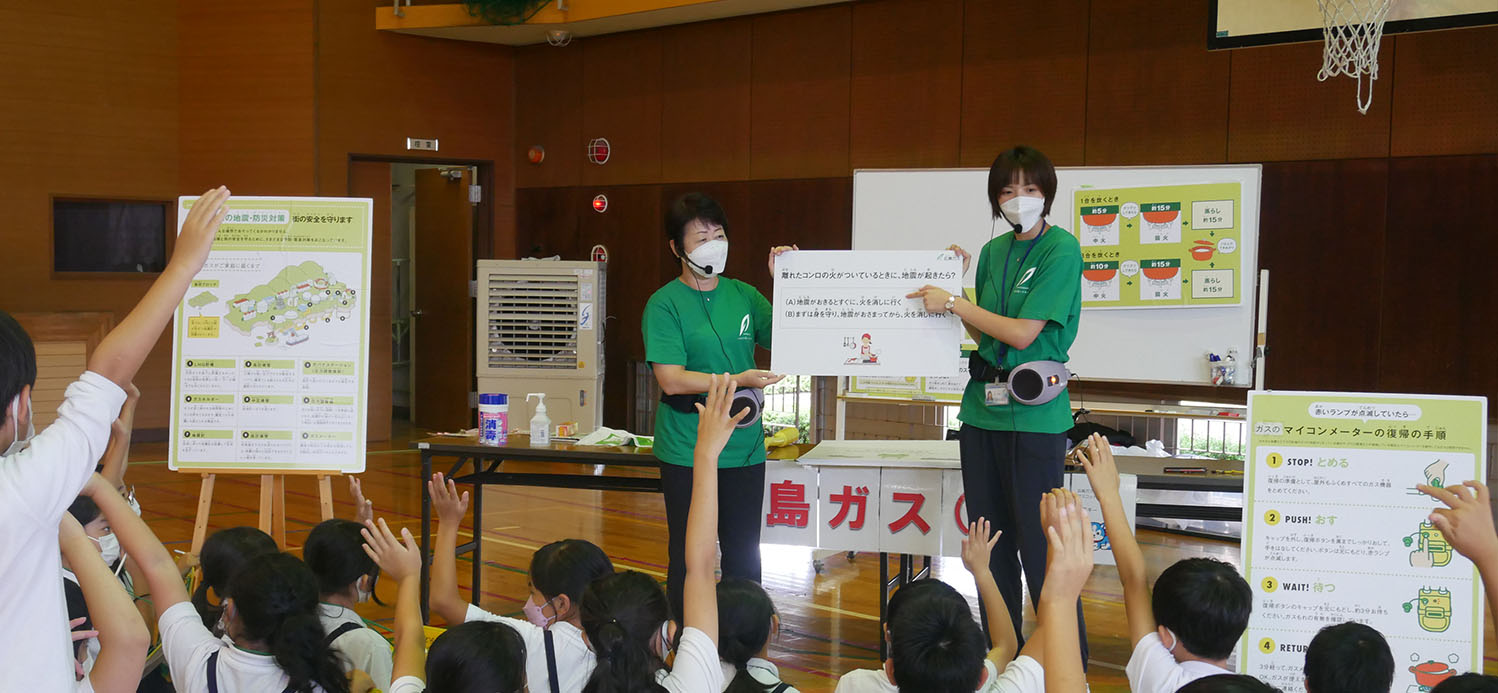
{"x": 744, "y": 328}
{"x": 1020, "y": 287}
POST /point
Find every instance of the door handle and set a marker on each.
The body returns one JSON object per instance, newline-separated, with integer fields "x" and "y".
{"x": 416, "y": 312}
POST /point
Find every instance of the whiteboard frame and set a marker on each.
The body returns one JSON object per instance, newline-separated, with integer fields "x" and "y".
{"x": 1115, "y": 345}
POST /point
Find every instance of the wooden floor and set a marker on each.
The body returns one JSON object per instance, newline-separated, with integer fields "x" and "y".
{"x": 830, "y": 621}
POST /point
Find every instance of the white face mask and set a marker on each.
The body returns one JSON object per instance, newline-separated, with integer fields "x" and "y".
{"x": 1023, "y": 210}
{"x": 364, "y": 595}
{"x": 1173, "y": 641}
{"x": 134, "y": 504}
{"x": 709, "y": 259}
{"x": 109, "y": 546}
{"x": 665, "y": 639}
{"x": 18, "y": 443}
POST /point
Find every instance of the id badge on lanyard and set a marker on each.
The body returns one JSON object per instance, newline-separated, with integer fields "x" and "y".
{"x": 996, "y": 394}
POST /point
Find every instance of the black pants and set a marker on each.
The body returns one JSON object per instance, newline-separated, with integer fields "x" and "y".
{"x": 1004, "y": 474}
{"x": 741, "y": 491}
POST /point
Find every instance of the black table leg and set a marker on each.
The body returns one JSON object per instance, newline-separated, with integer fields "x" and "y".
{"x": 883, "y": 603}
{"x": 426, "y": 536}
{"x": 478, "y": 534}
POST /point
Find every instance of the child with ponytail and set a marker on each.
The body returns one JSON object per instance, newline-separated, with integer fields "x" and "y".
{"x": 345, "y": 578}
{"x": 626, "y": 617}
{"x": 222, "y": 555}
{"x": 275, "y": 640}
{"x": 746, "y": 619}
{"x": 559, "y": 660}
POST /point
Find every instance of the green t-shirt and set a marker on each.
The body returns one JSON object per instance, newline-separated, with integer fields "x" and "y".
{"x": 1047, "y": 287}
{"x": 677, "y": 332}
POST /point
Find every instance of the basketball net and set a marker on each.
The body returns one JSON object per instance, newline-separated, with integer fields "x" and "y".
{"x": 1352, "y": 29}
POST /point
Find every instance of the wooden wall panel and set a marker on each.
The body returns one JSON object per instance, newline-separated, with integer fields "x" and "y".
{"x": 816, "y": 214}
{"x": 635, "y": 253}
{"x": 1278, "y": 110}
{"x": 549, "y": 221}
{"x": 549, "y": 112}
{"x": 1446, "y": 92}
{"x": 800, "y": 107}
{"x": 1437, "y": 297}
{"x": 906, "y": 84}
{"x": 1155, "y": 95}
{"x": 1024, "y": 86}
{"x": 1321, "y": 236}
{"x": 247, "y": 97}
{"x": 705, "y": 101}
{"x": 376, "y": 88}
{"x": 622, "y": 102}
{"x": 89, "y": 108}
{"x": 372, "y": 179}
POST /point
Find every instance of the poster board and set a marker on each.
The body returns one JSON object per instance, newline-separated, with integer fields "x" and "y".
{"x": 846, "y": 312}
{"x": 1334, "y": 530}
{"x": 270, "y": 345}
{"x": 904, "y": 209}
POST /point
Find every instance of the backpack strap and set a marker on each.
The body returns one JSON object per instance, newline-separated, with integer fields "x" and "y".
{"x": 340, "y": 631}
{"x": 551, "y": 663}
{"x": 213, "y": 672}
{"x": 782, "y": 688}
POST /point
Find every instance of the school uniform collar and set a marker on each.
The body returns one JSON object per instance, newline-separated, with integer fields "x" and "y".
{"x": 765, "y": 664}
{"x": 242, "y": 659}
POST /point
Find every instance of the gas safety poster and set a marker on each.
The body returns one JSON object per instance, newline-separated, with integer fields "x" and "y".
{"x": 270, "y": 346}
{"x": 1161, "y": 246}
{"x": 844, "y": 312}
{"x": 1334, "y": 530}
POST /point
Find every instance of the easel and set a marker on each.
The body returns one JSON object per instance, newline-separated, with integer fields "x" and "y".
{"x": 272, "y": 501}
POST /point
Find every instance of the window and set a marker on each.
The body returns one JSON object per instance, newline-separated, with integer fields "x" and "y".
{"x": 91, "y": 235}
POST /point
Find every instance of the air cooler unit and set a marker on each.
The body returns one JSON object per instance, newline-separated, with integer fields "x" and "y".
{"x": 540, "y": 329}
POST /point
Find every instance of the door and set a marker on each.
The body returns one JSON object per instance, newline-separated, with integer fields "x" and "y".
{"x": 441, "y": 310}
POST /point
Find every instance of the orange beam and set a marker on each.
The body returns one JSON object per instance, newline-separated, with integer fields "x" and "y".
{"x": 454, "y": 14}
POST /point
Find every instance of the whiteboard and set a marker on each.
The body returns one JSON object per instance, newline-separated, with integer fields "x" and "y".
{"x": 907, "y": 209}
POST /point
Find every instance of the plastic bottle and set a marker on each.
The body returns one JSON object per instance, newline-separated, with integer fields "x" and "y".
{"x": 540, "y": 422}
{"x": 494, "y": 415}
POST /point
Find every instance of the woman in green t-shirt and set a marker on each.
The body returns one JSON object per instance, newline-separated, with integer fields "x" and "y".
{"x": 697, "y": 324}
{"x": 1029, "y": 302}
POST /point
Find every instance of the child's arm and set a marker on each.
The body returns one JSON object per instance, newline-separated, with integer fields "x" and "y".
{"x": 714, "y": 427}
{"x": 162, "y": 578}
{"x": 446, "y": 601}
{"x": 401, "y": 560}
{"x": 1069, "y": 562}
{"x": 1102, "y": 472}
{"x": 117, "y": 455}
{"x": 121, "y": 352}
{"x": 1467, "y": 524}
{"x": 123, "y": 638}
{"x": 976, "y": 547}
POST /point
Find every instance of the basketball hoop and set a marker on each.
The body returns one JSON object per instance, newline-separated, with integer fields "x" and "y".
{"x": 1352, "y": 29}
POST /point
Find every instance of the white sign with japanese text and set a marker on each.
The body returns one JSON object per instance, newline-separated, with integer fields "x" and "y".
{"x": 848, "y": 508}
{"x": 790, "y": 505}
{"x": 1335, "y": 530}
{"x": 844, "y": 312}
{"x": 910, "y": 504}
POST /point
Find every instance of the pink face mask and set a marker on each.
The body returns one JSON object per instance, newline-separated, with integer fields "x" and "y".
{"x": 536, "y": 613}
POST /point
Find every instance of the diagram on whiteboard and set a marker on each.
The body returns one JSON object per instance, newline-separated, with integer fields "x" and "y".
{"x": 1160, "y": 246}
{"x": 298, "y": 303}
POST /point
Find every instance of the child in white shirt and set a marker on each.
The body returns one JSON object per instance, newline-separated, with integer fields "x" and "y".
{"x": 559, "y": 572}
{"x": 41, "y": 475}
{"x": 345, "y": 578}
{"x": 1199, "y": 608}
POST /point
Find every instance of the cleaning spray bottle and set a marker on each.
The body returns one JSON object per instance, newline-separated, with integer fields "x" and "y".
{"x": 540, "y": 422}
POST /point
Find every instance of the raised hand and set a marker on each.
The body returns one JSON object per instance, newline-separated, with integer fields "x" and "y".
{"x": 449, "y": 505}
{"x": 1097, "y": 459}
{"x": 398, "y": 559}
{"x": 199, "y": 229}
{"x": 1069, "y": 560}
{"x": 363, "y": 507}
{"x": 977, "y": 546}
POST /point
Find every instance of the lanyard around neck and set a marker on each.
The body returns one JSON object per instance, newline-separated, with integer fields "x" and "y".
{"x": 1005, "y": 289}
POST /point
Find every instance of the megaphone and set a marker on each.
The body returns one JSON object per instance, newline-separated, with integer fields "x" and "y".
{"x": 751, "y": 398}
{"x": 1037, "y": 382}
